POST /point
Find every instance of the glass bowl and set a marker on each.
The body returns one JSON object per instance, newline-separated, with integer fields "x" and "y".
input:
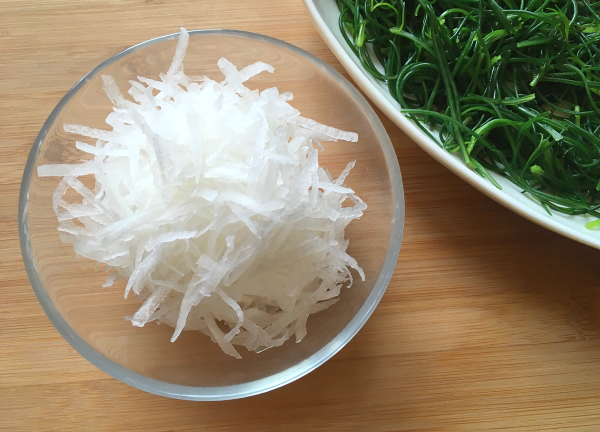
{"x": 90, "y": 317}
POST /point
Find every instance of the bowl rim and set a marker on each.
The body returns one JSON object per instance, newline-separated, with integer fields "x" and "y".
{"x": 253, "y": 387}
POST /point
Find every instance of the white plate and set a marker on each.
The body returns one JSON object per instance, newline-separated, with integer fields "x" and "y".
{"x": 325, "y": 15}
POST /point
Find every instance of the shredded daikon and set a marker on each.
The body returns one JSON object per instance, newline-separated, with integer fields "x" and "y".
{"x": 210, "y": 202}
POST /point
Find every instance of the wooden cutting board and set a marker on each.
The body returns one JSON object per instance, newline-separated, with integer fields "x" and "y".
{"x": 490, "y": 322}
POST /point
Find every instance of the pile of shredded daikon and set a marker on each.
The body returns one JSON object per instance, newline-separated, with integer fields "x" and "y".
{"x": 210, "y": 202}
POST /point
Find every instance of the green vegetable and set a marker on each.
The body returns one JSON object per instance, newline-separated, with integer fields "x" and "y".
{"x": 513, "y": 85}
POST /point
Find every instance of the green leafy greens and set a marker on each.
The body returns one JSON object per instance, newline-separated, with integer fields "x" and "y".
{"x": 514, "y": 86}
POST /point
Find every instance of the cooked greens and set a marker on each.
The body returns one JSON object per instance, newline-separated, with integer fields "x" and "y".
{"x": 514, "y": 86}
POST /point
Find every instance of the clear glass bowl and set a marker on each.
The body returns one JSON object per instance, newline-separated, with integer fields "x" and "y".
{"x": 90, "y": 317}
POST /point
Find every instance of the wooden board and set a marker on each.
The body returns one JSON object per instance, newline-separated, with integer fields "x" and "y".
{"x": 490, "y": 322}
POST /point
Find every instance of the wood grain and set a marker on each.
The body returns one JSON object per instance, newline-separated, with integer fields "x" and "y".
{"x": 489, "y": 323}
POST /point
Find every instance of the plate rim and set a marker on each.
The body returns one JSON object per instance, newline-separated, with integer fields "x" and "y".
{"x": 429, "y": 146}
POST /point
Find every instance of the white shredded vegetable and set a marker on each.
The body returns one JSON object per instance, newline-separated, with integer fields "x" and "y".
{"x": 210, "y": 202}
